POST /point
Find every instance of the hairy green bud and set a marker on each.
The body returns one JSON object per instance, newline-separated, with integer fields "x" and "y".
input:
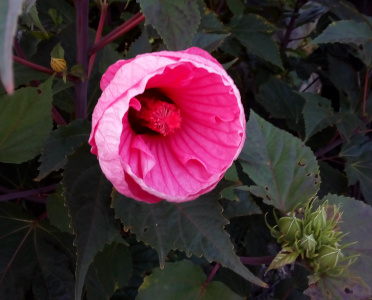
{"x": 290, "y": 228}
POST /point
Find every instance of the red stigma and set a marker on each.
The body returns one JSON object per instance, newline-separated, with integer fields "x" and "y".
{"x": 159, "y": 116}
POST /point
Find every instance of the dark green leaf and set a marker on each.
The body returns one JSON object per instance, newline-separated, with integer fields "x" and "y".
{"x": 110, "y": 271}
{"x": 183, "y": 280}
{"x": 208, "y": 41}
{"x": 9, "y": 12}
{"x": 237, "y": 7}
{"x": 243, "y": 206}
{"x": 318, "y": 114}
{"x": 175, "y": 20}
{"x": 195, "y": 227}
{"x": 333, "y": 180}
{"x": 281, "y": 101}
{"x": 284, "y": 170}
{"x": 254, "y": 32}
{"x": 139, "y": 46}
{"x": 358, "y": 168}
{"x": 33, "y": 254}
{"x": 345, "y": 31}
{"x": 25, "y": 121}
{"x": 58, "y": 211}
{"x": 334, "y": 288}
{"x": 60, "y": 143}
{"x": 209, "y": 22}
{"x": 87, "y": 193}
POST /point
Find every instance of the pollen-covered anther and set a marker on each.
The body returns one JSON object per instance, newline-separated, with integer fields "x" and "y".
{"x": 160, "y": 116}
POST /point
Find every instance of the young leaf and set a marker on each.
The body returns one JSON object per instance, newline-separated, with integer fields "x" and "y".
{"x": 9, "y": 12}
{"x": 281, "y": 101}
{"x": 87, "y": 193}
{"x": 284, "y": 257}
{"x": 175, "y": 20}
{"x": 183, "y": 280}
{"x": 345, "y": 31}
{"x": 284, "y": 170}
{"x": 254, "y": 33}
{"x": 60, "y": 143}
{"x": 25, "y": 121}
{"x": 195, "y": 227}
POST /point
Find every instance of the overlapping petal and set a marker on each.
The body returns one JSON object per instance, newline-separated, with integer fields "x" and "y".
{"x": 190, "y": 161}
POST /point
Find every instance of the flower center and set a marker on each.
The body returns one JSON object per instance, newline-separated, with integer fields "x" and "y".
{"x": 160, "y": 116}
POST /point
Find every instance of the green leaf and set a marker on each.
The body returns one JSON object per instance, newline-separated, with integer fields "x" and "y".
{"x": 318, "y": 114}
{"x": 33, "y": 254}
{"x": 358, "y": 168}
{"x": 175, "y": 20}
{"x": 284, "y": 170}
{"x": 208, "y": 41}
{"x": 60, "y": 143}
{"x": 9, "y": 12}
{"x": 355, "y": 221}
{"x": 345, "y": 31}
{"x": 87, "y": 193}
{"x": 34, "y": 18}
{"x": 195, "y": 227}
{"x": 25, "y": 121}
{"x": 281, "y": 101}
{"x": 58, "y": 211}
{"x": 254, "y": 32}
{"x": 183, "y": 280}
{"x": 110, "y": 271}
{"x": 284, "y": 257}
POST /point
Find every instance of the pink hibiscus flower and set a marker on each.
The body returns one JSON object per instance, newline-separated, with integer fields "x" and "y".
{"x": 167, "y": 126}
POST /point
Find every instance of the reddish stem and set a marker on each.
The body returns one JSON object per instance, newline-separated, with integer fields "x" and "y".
{"x": 82, "y": 44}
{"x": 212, "y": 274}
{"x": 99, "y": 34}
{"x": 366, "y": 82}
{"x": 291, "y": 25}
{"x": 256, "y": 261}
{"x": 119, "y": 31}
{"x": 15, "y": 195}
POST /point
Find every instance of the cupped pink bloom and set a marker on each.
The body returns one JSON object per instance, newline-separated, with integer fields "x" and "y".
{"x": 167, "y": 125}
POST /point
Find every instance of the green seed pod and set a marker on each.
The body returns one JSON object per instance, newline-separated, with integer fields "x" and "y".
{"x": 328, "y": 258}
{"x": 290, "y": 228}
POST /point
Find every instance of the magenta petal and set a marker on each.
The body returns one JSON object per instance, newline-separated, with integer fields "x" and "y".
{"x": 186, "y": 163}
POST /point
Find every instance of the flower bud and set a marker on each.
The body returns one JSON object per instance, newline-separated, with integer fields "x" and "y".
{"x": 58, "y": 64}
{"x": 328, "y": 257}
{"x": 290, "y": 227}
{"x": 319, "y": 219}
{"x": 308, "y": 243}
